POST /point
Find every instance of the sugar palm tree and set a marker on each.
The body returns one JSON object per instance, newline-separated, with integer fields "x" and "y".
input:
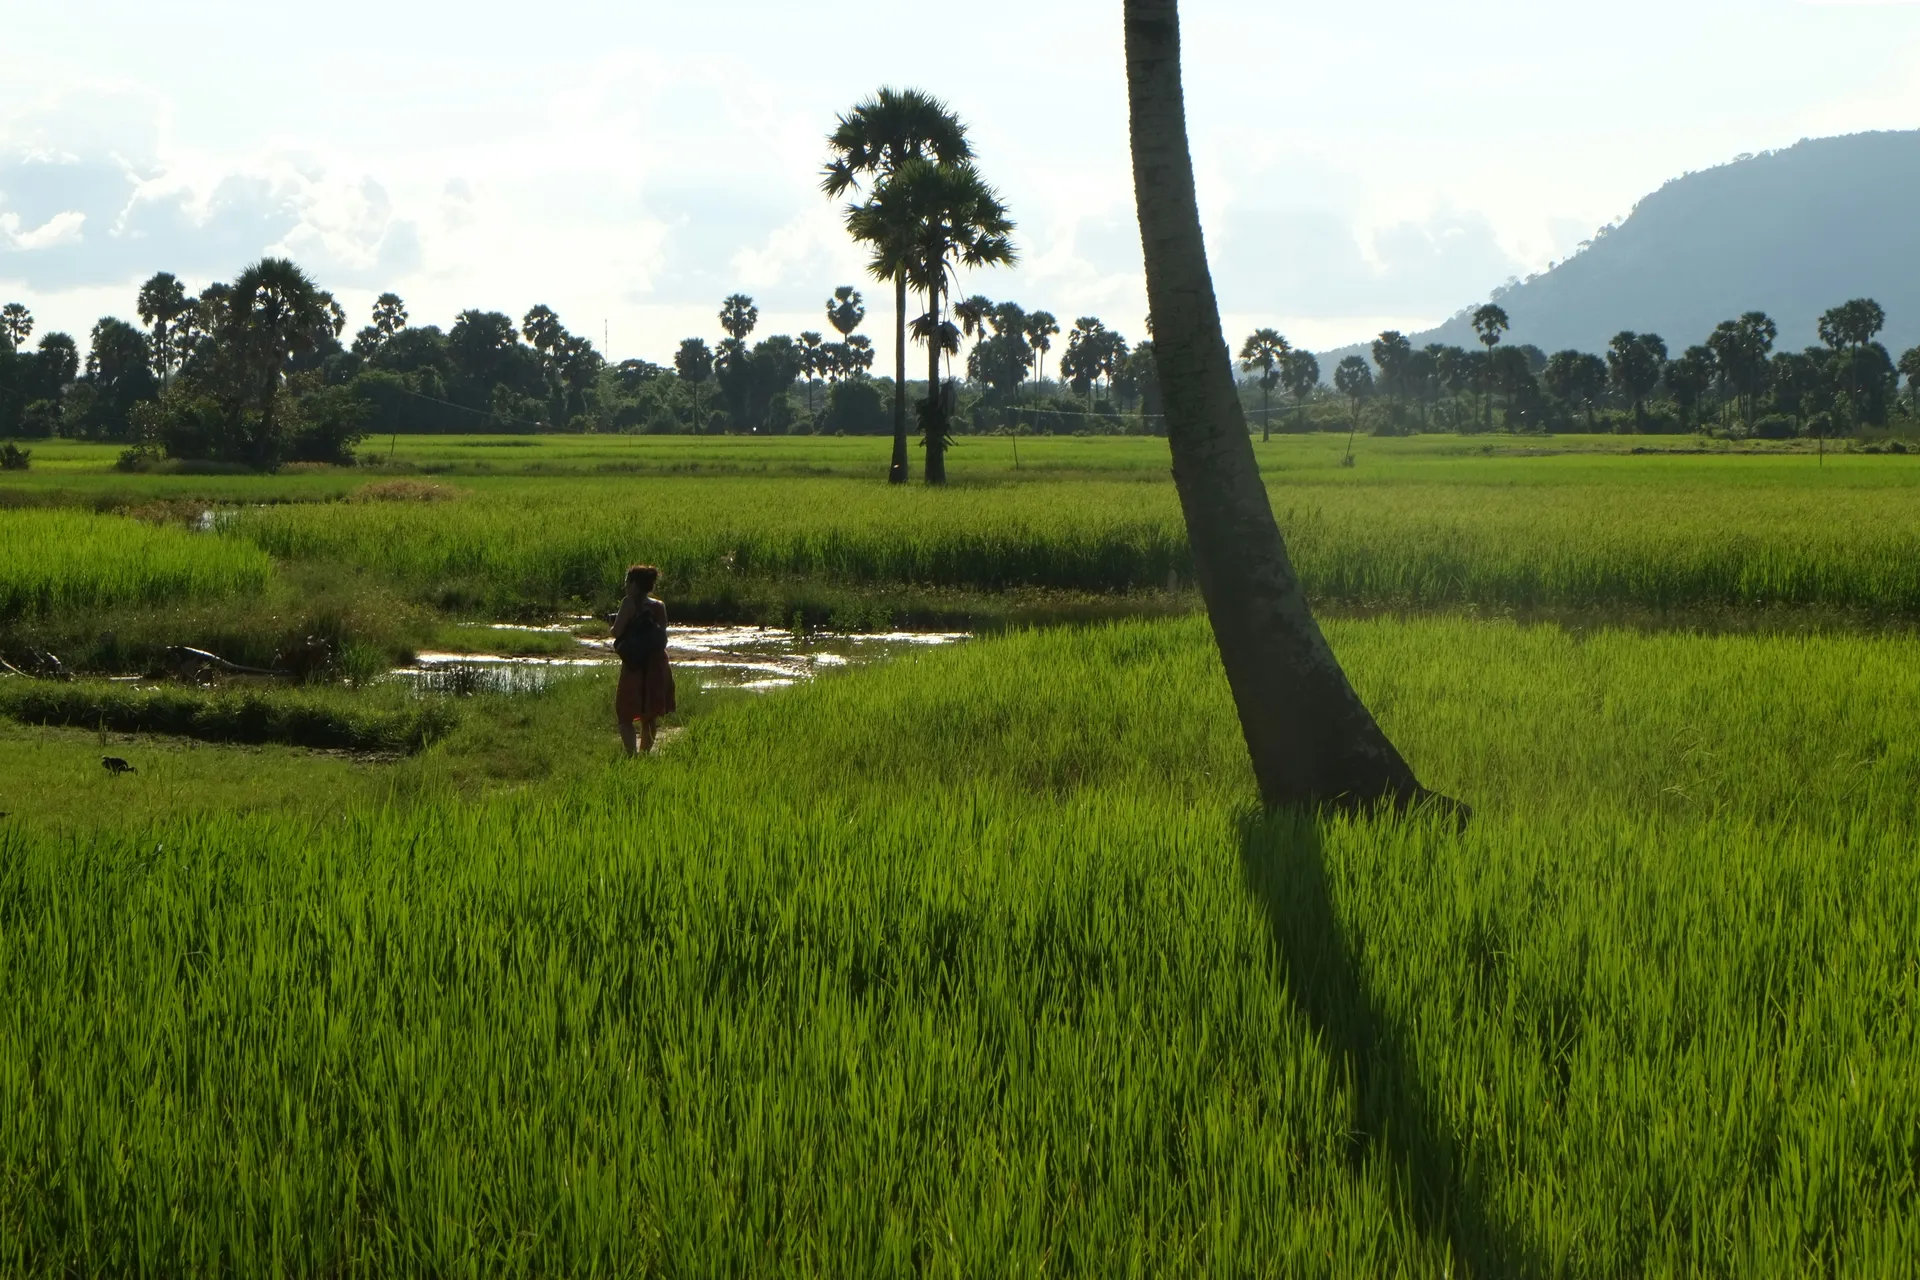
{"x": 274, "y": 316}
{"x": 845, "y": 310}
{"x": 1042, "y": 329}
{"x": 1490, "y": 322}
{"x": 972, "y": 314}
{"x": 1311, "y": 739}
{"x": 738, "y": 316}
{"x": 1301, "y": 373}
{"x": 389, "y": 315}
{"x": 869, "y": 145}
{"x": 163, "y": 300}
{"x": 813, "y": 362}
{"x": 1266, "y": 351}
{"x": 16, "y": 325}
{"x": 925, "y": 223}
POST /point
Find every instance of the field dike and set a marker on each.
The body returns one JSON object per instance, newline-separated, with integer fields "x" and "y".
{"x": 320, "y": 718}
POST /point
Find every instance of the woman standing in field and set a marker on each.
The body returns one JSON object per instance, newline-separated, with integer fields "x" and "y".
{"x": 646, "y": 679}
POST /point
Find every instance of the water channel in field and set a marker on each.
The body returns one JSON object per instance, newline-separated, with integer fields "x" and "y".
{"x": 757, "y": 659}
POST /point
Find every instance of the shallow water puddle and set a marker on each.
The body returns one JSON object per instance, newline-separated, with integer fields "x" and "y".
{"x": 759, "y": 659}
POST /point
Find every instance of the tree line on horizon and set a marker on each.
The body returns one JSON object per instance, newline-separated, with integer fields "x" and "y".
{"x": 192, "y": 381}
{"x": 1735, "y": 381}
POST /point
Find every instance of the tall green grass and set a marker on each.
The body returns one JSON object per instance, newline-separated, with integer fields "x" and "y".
{"x": 979, "y": 963}
{"x": 1670, "y": 544}
{"x": 55, "y": 560}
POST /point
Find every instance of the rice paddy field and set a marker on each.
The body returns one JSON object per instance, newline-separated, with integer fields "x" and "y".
{"x": 981, "y": 960}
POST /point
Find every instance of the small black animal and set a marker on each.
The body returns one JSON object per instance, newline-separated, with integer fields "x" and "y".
{"x": 115, "y": 765}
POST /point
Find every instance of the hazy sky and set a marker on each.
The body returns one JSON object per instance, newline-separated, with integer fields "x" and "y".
{"x": 630, "y": 164}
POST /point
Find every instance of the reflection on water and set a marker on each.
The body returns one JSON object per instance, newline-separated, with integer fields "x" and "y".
{"x": 752, "y": 658}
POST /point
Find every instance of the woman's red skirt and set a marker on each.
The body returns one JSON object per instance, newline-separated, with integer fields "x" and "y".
{"x": 646, "y": 690}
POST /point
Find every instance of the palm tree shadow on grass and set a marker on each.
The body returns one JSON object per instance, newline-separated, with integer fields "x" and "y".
{"x": 1283, "y": 864}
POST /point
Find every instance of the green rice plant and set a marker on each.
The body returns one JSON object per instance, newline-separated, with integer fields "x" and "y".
{"x": 1423, "y": 523}
{"x": 59, "y": 560}
{"x": 980, "y": 963}
{"x": 1676, "y": 546}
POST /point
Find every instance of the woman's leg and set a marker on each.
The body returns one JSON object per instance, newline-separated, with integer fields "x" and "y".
{"x": 626, "y": 735}
{"x": 646, "y": 733}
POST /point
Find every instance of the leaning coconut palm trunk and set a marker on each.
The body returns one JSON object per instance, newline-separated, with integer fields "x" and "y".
{"x": 1312, "y": 740}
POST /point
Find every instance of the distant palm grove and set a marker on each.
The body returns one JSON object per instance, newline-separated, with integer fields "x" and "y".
{"x": 259, "y": 372}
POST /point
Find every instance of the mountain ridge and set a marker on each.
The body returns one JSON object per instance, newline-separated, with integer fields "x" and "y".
{"x": 1790, "y": 232}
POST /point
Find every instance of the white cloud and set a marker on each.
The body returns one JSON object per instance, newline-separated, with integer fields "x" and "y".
{"x": 636, "y": 162}
{"x": 61, "y": 229}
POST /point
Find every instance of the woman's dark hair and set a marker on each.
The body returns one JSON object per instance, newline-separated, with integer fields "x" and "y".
{"x": 643, "y": 576}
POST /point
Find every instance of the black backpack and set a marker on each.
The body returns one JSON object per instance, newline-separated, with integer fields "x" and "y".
{"x": 643, "y": 638}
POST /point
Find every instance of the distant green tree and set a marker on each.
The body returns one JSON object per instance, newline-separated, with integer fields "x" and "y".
{"x": 854, "y": 408}
{"x": 1852, "y": 324}
{"x": 1003, "y": 359}
{"x": 1266, "y": 351}
{"x": 119, "y": 368}
{"x": 1112, "y": 359}
{"x": 389, "y": 318}
{"x": 163, "y": 301}
{"x": 1145, "y": 375}
{"x": 1080, "y": 364}
{"x": 1577, "y": 378}
{"x": 1849, "y": 329}
{"x": 1354, "y": 380}
{"x": 738, "y": 316}
{"x": 241, "y": 395}
{"x": 1869, "y": 381}
{"x": 931, "y": 220}
{"x": 1451, "y": 367}
{"x": 1689, "y": 379}
{"x": 972, "y": 313}
{"x": 274, "y": 317}
{"x": 1741, "y": 348}
{"x": 489, "y": 369}
{"x": 777, "y": 364}
{"x": 1423, "y": 379}
{"x": 389, "y": 315}
{"x": 754, "y": 381}
{"x": 1510, "y": 369}
{"x": 1392, "y": 356}
{"x": 1910, "y": 366}
{"x": 1490, "y": 322}
{"x": 1635, "y": 362}
{"x": 1041, "y": 330}
{"x": 693, "y": 361}
{"x": 59, "y": 361}
{"x": 845, "y": 310}
{"x": 858, "y": 355}
{"x": 1301, "y": 374}
{"x": 552, "y": 343}
{"x": 1797, "y": 383}
{"x": 579, "y": 366}
{"x": 870, "y": 145}
{"x": 814, "y": 360}
{"x": 16, "y": 326}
